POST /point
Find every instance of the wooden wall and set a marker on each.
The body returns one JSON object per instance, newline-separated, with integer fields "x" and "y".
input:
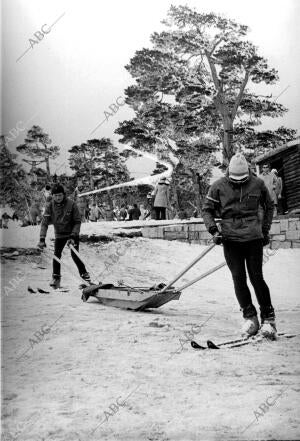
{"x": 291, "y": 170}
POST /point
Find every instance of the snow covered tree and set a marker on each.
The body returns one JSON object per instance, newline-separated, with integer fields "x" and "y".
{"x": 98, "y": 161}
{"x": 37, "y": 146}
{"x": 198, "y": 79}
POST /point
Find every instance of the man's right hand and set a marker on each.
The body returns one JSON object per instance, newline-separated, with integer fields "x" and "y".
{"x": 42, "y": 244}
{"x": 266, "y": 239}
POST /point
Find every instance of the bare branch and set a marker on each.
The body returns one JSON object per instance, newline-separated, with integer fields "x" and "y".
{"x": 213, "y": 71}
{"x": 215, "y": 45}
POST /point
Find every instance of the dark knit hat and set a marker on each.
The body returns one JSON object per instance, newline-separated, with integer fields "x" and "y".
{"x": 57, "y": 188}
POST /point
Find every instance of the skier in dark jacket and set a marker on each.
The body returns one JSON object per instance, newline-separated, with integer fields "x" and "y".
{"x": 238, "y": 199}
{"x": 63, "y": 213}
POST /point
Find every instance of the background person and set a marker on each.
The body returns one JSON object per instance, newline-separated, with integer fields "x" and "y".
{"x": 278, "y": 192}
{"x": 134, "y": 213}
{"x": 123, "y": 212}
{"x": 270, "y": 181}
{"x": 161, "y": 199}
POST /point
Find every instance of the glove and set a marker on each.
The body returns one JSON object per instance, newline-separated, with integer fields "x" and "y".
{"x": 218, "y": 238}
{"x": 72, "y": 240}
{"x": 266, "y": 239}
{"x": 42, "y": 244}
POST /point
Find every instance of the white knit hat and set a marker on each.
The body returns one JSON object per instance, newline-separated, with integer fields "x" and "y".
{"x": 238, "y": 167}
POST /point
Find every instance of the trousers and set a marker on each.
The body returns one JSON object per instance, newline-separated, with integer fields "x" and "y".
{"x": 238, "y": 256}
{"x": 59, "y": 245}
{"x": 160, "y": 213}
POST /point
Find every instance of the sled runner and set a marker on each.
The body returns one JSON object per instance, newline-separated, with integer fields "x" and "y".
{"x": 141, "y": 298}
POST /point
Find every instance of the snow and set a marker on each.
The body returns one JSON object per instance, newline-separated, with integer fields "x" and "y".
{"x": 73, "y": 383}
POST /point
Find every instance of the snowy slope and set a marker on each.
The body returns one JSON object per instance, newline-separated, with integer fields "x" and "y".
{"x": 107, "y": 374}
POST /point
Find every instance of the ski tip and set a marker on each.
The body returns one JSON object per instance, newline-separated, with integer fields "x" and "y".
{"x": 211, "y": 345}
{"x": 195, "y": 345}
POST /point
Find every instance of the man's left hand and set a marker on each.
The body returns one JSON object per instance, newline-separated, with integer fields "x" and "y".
{"x": 71, "y": 241}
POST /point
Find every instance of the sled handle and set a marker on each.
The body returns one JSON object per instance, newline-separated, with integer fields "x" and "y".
{"x": 85, "y": 264}
{"x": 207, "y": 273}
{"x": 64, "y": 264}
{"x": 204, "y": 252}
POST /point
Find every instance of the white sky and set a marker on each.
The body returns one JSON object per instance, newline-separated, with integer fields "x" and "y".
{"x": 67, "y": 81}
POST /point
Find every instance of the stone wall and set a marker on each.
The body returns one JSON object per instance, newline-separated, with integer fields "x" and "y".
{"x": 284, "y": 233}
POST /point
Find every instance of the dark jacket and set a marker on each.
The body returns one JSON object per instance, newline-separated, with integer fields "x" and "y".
{"x": 65, "y": 218}
{"x": 134, "y": 213}
{"x": 239, "y": 207}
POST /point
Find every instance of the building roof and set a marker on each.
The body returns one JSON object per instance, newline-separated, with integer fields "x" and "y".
{"x": 274, "y": 152}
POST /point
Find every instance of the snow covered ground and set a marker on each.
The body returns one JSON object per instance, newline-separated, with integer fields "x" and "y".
{"x": 82, "y": 371}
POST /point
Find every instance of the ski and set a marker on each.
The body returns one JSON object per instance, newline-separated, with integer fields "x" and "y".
{"x": 238, "y": 342}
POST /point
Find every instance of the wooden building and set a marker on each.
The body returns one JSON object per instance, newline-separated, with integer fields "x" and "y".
{"x": 286, "y": 160}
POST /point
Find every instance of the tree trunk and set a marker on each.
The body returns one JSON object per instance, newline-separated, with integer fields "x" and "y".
{"x": 227, "y": 140}
{"x": 47, "y": 167}
{"x": 176, "y": 196}
{"x": 196, "y": 182}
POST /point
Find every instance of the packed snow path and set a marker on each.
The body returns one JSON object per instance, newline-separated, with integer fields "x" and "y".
{"x": 81, "y": 371}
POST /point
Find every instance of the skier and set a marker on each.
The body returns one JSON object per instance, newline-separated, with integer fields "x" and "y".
{"x": 65, "y": 216}
{"x": 235, "y": 198}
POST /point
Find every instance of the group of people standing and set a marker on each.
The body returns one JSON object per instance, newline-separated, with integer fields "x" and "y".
{"x": 156, "y": 206}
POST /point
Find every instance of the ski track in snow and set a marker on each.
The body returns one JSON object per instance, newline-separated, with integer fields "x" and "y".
{"x": 93, "y": 357}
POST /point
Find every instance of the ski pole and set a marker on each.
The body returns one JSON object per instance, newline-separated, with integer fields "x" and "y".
{"x": 207, "y": 273}
{"x": 207, "y": 250}
{"x": 65, "y": 264}
{"x": 84, "y": 263}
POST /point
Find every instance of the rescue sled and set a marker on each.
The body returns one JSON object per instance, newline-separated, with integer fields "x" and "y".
{"x": 141, "y": 298}
{"x": 135, "y": 298}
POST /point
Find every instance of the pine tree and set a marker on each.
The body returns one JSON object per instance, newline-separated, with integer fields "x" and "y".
{"x": 98, "y": 161}
{"x": 198, "y": 79}
{"x": 37, "y": 146}
{"x": 14, "y": 190}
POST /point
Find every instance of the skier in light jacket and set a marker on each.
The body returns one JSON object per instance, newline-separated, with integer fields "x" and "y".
{"x": 236, "y": 198}
{"x": 161, "y": 199}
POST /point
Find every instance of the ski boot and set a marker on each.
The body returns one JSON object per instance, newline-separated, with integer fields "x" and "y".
{"x": 55, "y": 282}
{"x": 86, "y": 276}
{"x": 268, "y": 324}
{"x": 251, "y": 324}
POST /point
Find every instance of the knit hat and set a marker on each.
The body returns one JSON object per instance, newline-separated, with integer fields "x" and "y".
{"x": 57, "y": 188}
{"x": 238, "y": 167}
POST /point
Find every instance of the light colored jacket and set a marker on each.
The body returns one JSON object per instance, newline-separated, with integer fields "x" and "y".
{"x": 161, "y": 194}
{"x": 270, "y": 181}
